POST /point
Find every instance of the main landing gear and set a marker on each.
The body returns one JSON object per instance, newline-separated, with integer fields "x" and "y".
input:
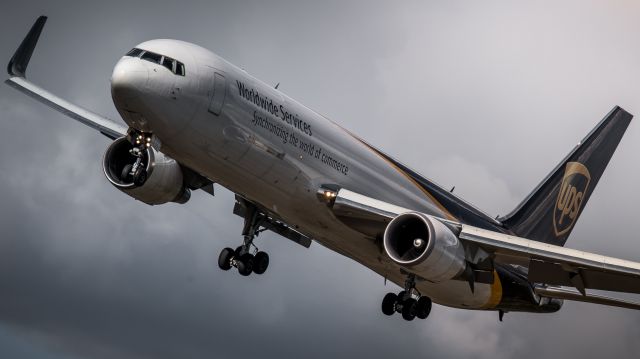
{"x": 409, "y": 302}
{"x": 247, "y": 258}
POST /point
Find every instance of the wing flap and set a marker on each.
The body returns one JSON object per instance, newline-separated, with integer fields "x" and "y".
{"x": 569, "y": 294}
{"x": 554, "y": 274}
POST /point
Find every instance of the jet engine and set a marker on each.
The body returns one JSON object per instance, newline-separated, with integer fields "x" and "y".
{"x": 144, "y": 174}
{"x": 424, "y": 246}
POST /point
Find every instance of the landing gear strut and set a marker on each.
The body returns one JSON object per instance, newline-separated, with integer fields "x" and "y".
{"x": 247, "y": 258}
{"x": 409, "y": 302}
{"x": 136, "y": 172}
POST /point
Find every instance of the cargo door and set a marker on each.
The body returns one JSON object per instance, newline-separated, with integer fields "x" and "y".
{"x": 219, "y": 93}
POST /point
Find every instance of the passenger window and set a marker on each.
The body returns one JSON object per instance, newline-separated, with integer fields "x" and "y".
{"x": 134, "y": 53}
{"x": 168, "y": 63}
{"x": 150, "y": 56}
{"x": 179, "y": 68}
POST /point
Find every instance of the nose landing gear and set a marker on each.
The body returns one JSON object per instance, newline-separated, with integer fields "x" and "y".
{"x": 247, "y": 258}
{"x": 136, "y": 172}
{"x": 409, "y": 302}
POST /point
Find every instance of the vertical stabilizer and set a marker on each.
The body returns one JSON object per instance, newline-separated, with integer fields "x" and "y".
{"x": 550, "y": 212}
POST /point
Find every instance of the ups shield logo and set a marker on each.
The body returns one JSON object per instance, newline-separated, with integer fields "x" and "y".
{"x": 573, "y": 189}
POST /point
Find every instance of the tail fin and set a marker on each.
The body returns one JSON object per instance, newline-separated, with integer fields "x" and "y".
{"x": 549, "y": 213}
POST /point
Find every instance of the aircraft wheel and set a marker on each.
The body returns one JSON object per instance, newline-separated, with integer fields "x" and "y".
{"x": 140, "y": 177}
{"x": 245, "y": 264}
{"x": 124, "y": 175}
{"x": 224, "y": 260}
{"x": 409, "y": 309}
{"x": 423, "y": 307}
{"x": 260, "y": 263}
{"x": 238, "y": 251}
{"x": 389, "y": 304}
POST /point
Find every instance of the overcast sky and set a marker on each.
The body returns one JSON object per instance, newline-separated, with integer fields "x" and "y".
{"x": 484, "y": 95}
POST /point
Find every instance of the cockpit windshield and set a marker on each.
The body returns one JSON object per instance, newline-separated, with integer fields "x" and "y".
{"x": 134, "y": 53}
{"x": 172, "y": 65}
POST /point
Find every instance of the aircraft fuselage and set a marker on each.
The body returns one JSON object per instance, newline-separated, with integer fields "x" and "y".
{"x": 252, "y": 139}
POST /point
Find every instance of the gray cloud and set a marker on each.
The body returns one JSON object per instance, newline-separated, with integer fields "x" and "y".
{"x": 485, "y": 96}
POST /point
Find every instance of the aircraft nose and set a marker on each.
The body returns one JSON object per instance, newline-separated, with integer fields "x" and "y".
{"x": 128, "y": 80}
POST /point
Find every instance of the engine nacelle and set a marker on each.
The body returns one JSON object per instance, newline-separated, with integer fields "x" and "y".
{"x": 163, "y": 181}
{"x": 424, "y": 246}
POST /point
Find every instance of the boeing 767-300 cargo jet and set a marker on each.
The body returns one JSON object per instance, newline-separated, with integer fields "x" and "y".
{"x": 193, "y": 119}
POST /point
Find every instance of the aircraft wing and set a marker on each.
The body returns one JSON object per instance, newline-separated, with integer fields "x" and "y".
{"x": 17, "y": 70}
{"x": 558, "y": 266}
{"x": 548, "y": 265}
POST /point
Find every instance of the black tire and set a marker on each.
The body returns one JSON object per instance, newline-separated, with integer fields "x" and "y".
{"x": 245, "y": 264}
{"x": 389, "y": 303}
{"x": 238, "y": 251}
{"x": 124, "y": 175}
{"x": 140, "y": 177}
{"x": 423, "y": 308}
{"x": 224, "y": 260}
{"x": 401, "y": 296}
{"x": 409, "y": 309}
{"x": 260, "y": 263}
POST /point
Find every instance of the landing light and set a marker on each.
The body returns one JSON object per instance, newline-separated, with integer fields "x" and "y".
{"x": 144, "y": 140}
{"x": 326, "y": 195}
{"x": 330, "y": 194}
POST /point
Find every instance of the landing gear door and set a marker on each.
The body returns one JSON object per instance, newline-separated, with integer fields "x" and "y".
{"x": 219, "y": 93}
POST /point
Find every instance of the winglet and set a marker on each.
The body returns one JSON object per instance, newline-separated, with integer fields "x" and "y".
{"x": 20, "y": 60}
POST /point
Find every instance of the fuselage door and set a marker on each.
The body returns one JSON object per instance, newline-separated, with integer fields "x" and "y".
{"x": 219, "y": 94}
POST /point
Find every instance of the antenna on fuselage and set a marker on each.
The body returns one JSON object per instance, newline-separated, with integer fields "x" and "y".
{"x": 278, "y": 84}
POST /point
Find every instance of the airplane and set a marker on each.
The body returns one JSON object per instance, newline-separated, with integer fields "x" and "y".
{"x": 194, "y": 120}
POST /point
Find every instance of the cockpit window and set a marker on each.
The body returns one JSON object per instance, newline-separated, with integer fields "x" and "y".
{"x": 168, "y": 63}
{"x": 152, "y": 57}
{"x": 179, "y": 68}
{"x": 172, "y": 65}
{"x": 134, "y": 53}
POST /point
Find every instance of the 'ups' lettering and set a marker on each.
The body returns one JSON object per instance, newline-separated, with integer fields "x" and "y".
{"x": 569, "y": 202}
{"x": 573, "y": 189}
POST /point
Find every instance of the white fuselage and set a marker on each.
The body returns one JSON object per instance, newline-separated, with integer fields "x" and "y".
{"x": 259, "y": 143}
